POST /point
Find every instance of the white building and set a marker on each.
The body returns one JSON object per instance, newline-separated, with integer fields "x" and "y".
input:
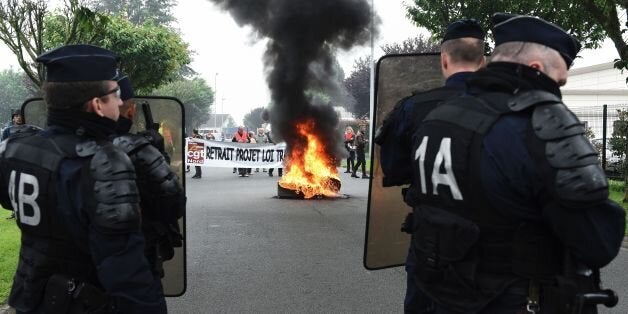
{"x": 588, "y": 89}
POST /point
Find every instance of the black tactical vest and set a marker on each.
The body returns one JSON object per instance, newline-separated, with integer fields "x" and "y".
{"x": 30, "y": 165}
{"x": 466, "y": 250}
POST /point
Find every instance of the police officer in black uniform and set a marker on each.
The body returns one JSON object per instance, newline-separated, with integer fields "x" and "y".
{"x": 462, "y": 53}
{"x": 75, "y": 198}
{"x": 162, "y": 198}
{"x": 511, "y": 208}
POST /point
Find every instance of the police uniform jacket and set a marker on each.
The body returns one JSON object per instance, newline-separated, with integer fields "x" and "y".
{"x": 76, "y": 204}
{"x": 503, "y": 182}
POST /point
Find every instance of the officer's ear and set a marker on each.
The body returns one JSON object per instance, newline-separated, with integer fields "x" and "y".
{"x": 95, "y": 105}
{"x": 537, "y": 65}
{"x": 444, "y": 61}
{"x": 482, "y": 62}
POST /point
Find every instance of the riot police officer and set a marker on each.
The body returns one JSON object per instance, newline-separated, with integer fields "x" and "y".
{"x": 162, "y": 198}
{"x": 16, "y": 122}
{"x": 75, "y": 197}
{"x": 462, "y": 53}
{"x": 511, "y": 208}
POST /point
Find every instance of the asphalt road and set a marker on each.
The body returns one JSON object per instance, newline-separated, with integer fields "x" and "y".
{"x": 249, "y": 251}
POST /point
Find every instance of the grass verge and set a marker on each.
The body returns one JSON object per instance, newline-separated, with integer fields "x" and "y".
{"x": 9, "y": 251}
{"x": 616, "y": 193}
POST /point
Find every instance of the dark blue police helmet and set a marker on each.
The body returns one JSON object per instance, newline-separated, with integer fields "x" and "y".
{"x": 126, "y": 88}
{"x": 462, "y": 29}
{"x": 77, "y": 63}
{"x": 526, "y": 28}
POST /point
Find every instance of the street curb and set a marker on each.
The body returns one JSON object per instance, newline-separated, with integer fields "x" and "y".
{"x": 625, "y": 243}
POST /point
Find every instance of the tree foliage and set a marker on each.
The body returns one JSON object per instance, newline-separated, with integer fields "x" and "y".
{"x": 358, "y": 82}
{"x": 197, "y": 98}
{"x": 21, "y": 28}
{"x": 253, "y": 119}
{"x": 151, "y": 54}
{"x": 573, "y": 15}
{"x": 619, "y": 144}
{"x": 358, "y": 85}
{"x": 418, "y": 44}
{"x": 137, "y": 11}
{"x": 15, "y": 88}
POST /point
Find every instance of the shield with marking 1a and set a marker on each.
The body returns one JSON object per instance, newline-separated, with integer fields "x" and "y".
{"x": 167, "y": 115}
{"x": 397, "y": 76}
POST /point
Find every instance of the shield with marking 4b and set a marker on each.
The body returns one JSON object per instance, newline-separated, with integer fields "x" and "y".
{"x": 397, "y": 76}
{"x": 168, "y": 118}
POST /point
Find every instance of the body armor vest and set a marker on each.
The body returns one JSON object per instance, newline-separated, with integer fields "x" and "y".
{"x": 30, "y": 164}
{"x": 467, "y": 251}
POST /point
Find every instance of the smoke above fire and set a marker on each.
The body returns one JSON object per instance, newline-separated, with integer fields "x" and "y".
{"x": 303, "y": 37}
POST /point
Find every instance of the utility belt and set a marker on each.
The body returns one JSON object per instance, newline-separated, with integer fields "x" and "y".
{"x": 575, "y": 293}
{"x": 64, "y": 294}
{"x": 466, "y": 266}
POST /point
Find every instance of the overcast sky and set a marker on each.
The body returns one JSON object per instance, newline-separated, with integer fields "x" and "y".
{"x": 229, "y": 58}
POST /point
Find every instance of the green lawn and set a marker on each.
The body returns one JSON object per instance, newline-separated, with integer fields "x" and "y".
{"x": 617, "y": 194}
{"x": 9, "y": 248}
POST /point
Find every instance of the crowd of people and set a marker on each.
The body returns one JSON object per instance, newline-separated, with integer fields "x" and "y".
{"x": 261, "y": 136}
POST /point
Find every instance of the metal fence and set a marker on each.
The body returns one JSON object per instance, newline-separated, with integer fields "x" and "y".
{"x": 602, "y": 121}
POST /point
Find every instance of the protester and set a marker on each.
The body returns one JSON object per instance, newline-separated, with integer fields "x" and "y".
{"x": 82, "y": 247}
{"x": 349, "y": 139}
{"x": 360, "y": 146}
{"x": 241, "y": 136}
{"x": 197, "y": 169}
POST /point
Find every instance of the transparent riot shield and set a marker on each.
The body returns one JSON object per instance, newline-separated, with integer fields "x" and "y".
{"x": 169, "y": 114}
{"x": 397, "y": 76}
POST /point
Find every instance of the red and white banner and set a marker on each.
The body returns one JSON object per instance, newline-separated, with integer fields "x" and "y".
{"x": 206, "y": 153}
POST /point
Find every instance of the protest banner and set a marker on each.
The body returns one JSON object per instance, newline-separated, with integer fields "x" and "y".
{"x": 206, "y": 153}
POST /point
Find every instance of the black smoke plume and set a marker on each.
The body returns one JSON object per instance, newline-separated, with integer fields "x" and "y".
{"x": 303, "y": 36}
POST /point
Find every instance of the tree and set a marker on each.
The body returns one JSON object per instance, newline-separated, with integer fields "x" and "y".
{"x": 151, "y": 54}
{"x": 359, "y": 86}
{"x": 358, "y": 83}
{"x": 253, "y": 119}
{"x": 574, "y": 16}
{"x": 197, "y": 98}
{"x": 15, "y": 88}
{"x": 417, "y": 44}
{"x": 21, "y": 27}
{"x": 618, "y": 143}
{"x": 137, "y": 11}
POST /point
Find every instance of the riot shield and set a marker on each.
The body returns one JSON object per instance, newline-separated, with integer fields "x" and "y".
{"x": 169, "y": 114}
{"x": 396, "y": 77}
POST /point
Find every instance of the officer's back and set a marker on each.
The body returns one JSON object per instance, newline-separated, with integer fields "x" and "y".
{"x": 75, "y": 198}
{"x": 511, "y": 204}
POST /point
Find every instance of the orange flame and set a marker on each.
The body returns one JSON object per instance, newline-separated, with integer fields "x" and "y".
{"x": 310, "y": 169}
